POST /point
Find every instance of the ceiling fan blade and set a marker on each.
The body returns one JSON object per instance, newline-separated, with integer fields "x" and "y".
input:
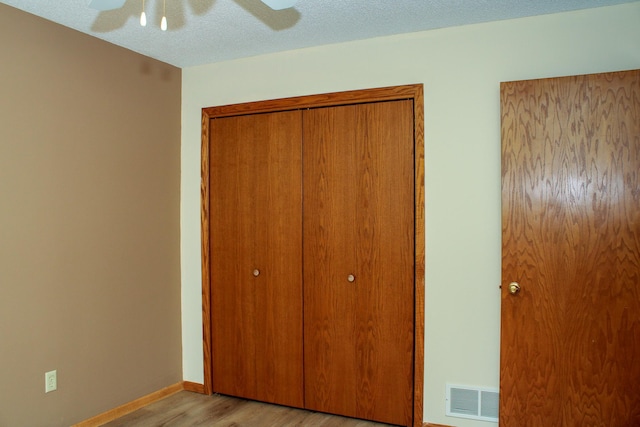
{"x": 106, "y": 4}
{"x": 279, "y": 4}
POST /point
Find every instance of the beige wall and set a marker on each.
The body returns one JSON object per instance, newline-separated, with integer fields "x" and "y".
{"x": 89, "y": 223}
{"x": 461, "y": 69}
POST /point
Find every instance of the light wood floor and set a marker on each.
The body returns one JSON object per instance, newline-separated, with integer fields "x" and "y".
{"x": 193, "y": 409}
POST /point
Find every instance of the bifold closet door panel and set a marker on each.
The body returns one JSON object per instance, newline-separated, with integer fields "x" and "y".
{"x": 329, "y": 257}
{"x": 256, "y": 239}
{"x": 359, "y": 260}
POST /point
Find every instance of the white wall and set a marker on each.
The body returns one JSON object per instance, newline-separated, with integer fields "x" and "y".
{"x": 461, "y": 69}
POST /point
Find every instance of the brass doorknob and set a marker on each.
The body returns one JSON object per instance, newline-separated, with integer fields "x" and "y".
{"x": 514, "y": 288}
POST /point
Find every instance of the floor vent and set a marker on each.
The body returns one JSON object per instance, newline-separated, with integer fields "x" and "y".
{"x": 476, "y": 403}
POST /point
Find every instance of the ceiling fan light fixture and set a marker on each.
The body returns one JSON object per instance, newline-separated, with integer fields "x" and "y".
{"x": 279, "y": 4}
{"x": 103, "y": 5}
{"x": 143, "y": 16}
{"x": 163, "y": 23}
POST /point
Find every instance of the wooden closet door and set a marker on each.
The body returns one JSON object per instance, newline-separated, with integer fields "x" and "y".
{"x": 256, "y": 240}
{"x": 359, "y": 222}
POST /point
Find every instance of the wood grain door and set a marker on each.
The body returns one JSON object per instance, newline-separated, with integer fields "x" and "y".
{"x": 570, "y": 338}
{"x": 256, "y": 257}
{"x": 359, "y": 260}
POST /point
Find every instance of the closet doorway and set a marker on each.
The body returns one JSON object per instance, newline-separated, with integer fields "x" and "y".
{"x": 313, "y": 252}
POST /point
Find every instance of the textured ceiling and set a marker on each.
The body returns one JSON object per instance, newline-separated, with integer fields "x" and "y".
{"x": 207, "y": 31}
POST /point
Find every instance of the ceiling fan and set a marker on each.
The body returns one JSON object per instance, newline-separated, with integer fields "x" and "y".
{"x": 117, "y": 4}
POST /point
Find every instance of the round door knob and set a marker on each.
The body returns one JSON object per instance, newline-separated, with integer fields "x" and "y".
{"x": 256, "y": 272}
{"x": 351, "y": 278}
{"x": 514, "y": 288}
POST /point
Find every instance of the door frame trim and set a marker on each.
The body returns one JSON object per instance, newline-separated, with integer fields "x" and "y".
{"x": 413, "y": 92}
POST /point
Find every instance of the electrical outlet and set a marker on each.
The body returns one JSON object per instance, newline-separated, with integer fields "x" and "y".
{"x": 50, "y": 381}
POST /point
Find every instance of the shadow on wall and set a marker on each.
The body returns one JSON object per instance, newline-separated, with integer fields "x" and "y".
{"x": 150, "y": 67}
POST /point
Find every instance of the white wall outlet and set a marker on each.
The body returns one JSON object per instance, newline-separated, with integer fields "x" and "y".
{"x": 50, "y": 381}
